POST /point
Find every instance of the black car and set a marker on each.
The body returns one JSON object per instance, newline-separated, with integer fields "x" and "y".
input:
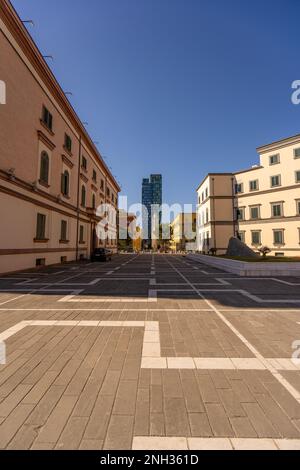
{"x": 101, "y": 254}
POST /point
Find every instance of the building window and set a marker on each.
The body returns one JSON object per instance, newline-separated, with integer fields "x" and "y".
{"x": 84, "y": 163}
{"x": 254, "y": 212}
{"x": 102, "y": 185}
{"x": 41, "y": 227}
{"x": 277, "y": 209}
{"x": 44, "y": 169}
{"x": 107, "y": 192}
{"x": 275, "y": 181}
{"x": 274, "y": 159}
{"x": 297, "y": 176}
{"x": 83, "y": 196}
{"x": 65, "y": 183}
{"x": 239, "y": 188}
{"x": 47, "y": 118}
{"x": 206, "y": 193}
{"x": 240, "y": 214}
{"x": 297, "y": 153}
{"x": 94, "y": 176}
{"x": 68, "y": 143}
{"x": 207, "y": 216}
{"x": 256, "y": 238}
{"x": 278, "y": 237}
{"x": 298, "y": 207}
{"x": 253, "y": 185}
{"x": 63, "y": 231}
{"x": 94, "y": 201}
{"x": 81, "y": 234}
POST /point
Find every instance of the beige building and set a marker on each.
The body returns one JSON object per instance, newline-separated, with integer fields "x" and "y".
{"x": 127, "y": 229}
{"x": 261, "y": 205}
{"x": 183, "y": 232}
{"x": 52, "y": 178}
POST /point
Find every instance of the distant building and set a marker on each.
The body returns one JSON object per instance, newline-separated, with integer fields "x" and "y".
{"x": 137, "y": 242}
{"x": 183, "y": 232}
{"x": 260, "y": 205}
{"x": 127, "y": 230}
{"x": 151, "y": 196}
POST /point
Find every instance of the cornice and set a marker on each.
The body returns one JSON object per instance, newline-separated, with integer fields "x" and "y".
{"x": 14, "y": 24}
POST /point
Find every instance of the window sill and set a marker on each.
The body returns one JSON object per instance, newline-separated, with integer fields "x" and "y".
{"x": 46, "y": 128}
{"x": 43, "y": 183}
{"x": 81, "y": 243}
{"x": 64, "y": 242}
{"x": 44, "y": 240}
{"x": 65, "y": 196}
{"x": 69, "y": 152}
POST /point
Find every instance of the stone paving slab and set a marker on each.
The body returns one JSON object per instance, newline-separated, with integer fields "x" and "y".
{"x": 196, "y": 370}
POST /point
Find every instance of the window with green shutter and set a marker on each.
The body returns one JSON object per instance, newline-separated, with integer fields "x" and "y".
{"x": 63, "y": 231}
{"x": 44, "y": 168}
{"x": 41, "y": 227}
{"x": 68, "y": 143}
{"x": 47, "y": 118}
{"x": 278, "y": 237}
{"x": 65, "y": 183}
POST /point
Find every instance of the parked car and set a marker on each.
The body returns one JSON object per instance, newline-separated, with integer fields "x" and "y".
{"x": 101, "y": 254}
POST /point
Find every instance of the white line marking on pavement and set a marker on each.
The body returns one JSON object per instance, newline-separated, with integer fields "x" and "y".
{"x": 292, "y": 390}
{"x": 206, "y": 444}
{"x": 151, "y": 355}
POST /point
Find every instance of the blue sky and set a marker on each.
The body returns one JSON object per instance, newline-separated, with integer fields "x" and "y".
{"x": 178, "y": 87}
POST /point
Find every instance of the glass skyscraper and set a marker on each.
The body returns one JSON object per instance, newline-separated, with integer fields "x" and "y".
{"x": 151, "y": 195}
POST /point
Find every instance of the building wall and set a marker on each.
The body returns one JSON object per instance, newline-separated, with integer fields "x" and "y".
{"x": 215, "y": 223}
{"x": 23, "y": 137}
{"x": 183, "y": 227}
{"x": 263, "y": 196}
{"x": 151, "y": 195}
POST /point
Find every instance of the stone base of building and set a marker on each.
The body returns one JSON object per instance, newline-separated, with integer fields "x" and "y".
{"x": 256, "y": 269}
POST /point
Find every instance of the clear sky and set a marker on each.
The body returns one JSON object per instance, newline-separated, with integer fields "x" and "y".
{"x": 178, "y": 87}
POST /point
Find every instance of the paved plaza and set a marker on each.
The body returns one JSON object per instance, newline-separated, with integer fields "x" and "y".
{"x": 148, "y": 352}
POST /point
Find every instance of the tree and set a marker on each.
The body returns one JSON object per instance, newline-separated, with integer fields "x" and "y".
{"x": 264, "y": 250}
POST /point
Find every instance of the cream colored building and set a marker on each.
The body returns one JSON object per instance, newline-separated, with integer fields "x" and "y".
{"x": 52, "y": 178}
{"x": 261, "y": 205}
{"x": 183, "y": 232}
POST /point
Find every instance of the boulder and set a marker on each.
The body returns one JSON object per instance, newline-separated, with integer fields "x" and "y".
{"x": 237, "y": 248}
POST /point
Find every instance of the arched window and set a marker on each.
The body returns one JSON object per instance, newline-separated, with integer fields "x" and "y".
{"x": 44, "y": 168}
{"x": 83, "y": 196}
{"x": 94, "y": 201}
{"x": 65, "y": 183}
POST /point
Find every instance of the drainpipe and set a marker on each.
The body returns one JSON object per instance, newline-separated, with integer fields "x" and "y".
{"x": 233, "y": 206}
{"x": 78, "y": 185}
